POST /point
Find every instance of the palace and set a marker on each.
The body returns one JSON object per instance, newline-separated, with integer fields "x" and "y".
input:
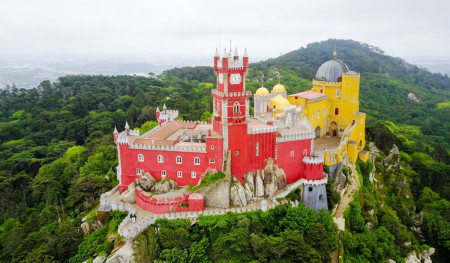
{"x": 300, "y": 132}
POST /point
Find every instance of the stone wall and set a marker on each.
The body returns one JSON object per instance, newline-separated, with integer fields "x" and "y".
{"x": 315, "y": 196}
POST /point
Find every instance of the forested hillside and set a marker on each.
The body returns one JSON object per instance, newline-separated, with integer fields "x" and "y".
{"x": 57, "y": 156}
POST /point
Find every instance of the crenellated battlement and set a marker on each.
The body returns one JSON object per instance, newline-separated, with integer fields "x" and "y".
{"x": 246, "y": 93}
{"x": 313, "y": 160}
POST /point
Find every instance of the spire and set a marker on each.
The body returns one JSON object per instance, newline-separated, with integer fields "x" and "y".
{"x": 217, "y": 53}
{"x": 334, "y": 54}
{"x": 235, "y": 52}
{"x": 157, "y": 109}
{"x": 224, "y": 53}
{"x": 127, "y": 126}
{"x": 245, "y": 53}
{"x": 164, "y": 107}
{"x": 115, "y": 130}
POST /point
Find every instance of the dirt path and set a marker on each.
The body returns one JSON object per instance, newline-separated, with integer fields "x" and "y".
{"x": 349, "y": 191}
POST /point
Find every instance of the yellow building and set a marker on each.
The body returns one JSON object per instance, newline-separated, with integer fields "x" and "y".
{"x": 331, "y": 107}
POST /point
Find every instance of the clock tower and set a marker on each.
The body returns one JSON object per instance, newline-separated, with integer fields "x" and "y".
{"x": 231, "y": 105}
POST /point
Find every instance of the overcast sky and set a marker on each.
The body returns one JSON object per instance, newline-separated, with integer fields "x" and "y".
{"x": 191, "y": 27}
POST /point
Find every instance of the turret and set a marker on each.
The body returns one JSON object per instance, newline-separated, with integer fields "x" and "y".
{"x": 127, "y": 127}
{"x": 216, "y": 59}
{"x": 236, "y": 55}
{"x": 245, "y": 60}
{"x": 157, "y": 113}
{"x": 116, "y": 134}
{"x": 225, "y": 59}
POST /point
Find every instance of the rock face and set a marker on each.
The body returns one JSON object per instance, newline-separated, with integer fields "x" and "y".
{"x": 262, "y": 183}
{"x": 123, "y": 255}
{"x": 146, "y": 182}
{"x": 85, "y": 227}
{"x": 423, "y": 257}
{"x": 129, "y": 196}
{"x": 237, "y": 195}
{"x": 165, "y": 186}
{"x": 393, "y": 151}
{"x": 217, "y": 194}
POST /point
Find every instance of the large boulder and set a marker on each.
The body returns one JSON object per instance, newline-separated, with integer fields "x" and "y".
{"x": 259, "y": 184}
{"x": 217, "y": 195}
{"x": 146, "y": 182}
{"x": 250, "y": 179}
{"x": 237, "y": 195}
{"x": 129, "y": 196}
{"x": 85, "y": 227}
{"x": 162, "y": 187}
{"x": 281, "y": 178}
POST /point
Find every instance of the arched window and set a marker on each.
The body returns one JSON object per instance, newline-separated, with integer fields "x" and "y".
{"x": 197, "y": 161}
{"x": 160, "y": 159}
{"x": 179, "y": 174}
{"x": 179, "y": 160}
{"x": 336, "y": 111}
{"x": 140, "y": 157}
{"x": 338, "y": 93}
{"x": 163, "y": 174}
{"x": 193, "y": 175}
{"x": 236, "y": 107}
{"x": 138, "y": 171}
{"x": 321, "y": 90}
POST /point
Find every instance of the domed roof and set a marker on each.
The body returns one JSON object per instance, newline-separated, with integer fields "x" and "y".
{"x": 278, "y": 88}
{"x": 332, "y": 70}
{"x": 262, "y": 91}
{"x": 279, "y": 102}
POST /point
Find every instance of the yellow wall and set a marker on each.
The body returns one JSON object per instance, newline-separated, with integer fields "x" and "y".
{"x": 313, "y": 108}
{"x": 364, "y": 156}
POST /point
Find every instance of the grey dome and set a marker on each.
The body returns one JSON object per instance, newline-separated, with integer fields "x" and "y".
{"x": 332, "y": 70}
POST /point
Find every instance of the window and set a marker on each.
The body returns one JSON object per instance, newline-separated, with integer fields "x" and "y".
{"x": 212, "y": 147}
{"x": 312, "y": 116}
{"x": 179, "y": 174}
{"x": 140, "y": 157}
{"x": 236, "y": 153}
{"x": 296, "y": 97}
{"x": 236, "y": 107}
{"x": 336, "y": 111}
{"x": 321, "y": 90}
{"x": 163, "y": 173}
{"x": 362, "y": 121}
{"x": 193, "y": 175}
{"x": 138, "y": 171}
{"x": 324, "y": 112}
{"x": 179, "y": 160}
{"x": 292, "y": 153}
{"x": 305, "y": 152}
{"x": 197, "y": 161}
{"x": 257, "y": 149}
{"x": 310, "y": 189}
{"x": 160, "y": 159}
{"x": 338, "y": 93}
{"x": 212, "y": 160}
{"x": 318, "y": 113}
{"x": 346, "y": 96}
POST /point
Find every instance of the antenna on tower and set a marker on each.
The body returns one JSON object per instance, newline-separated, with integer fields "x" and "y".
{"x": 220, "y": 39}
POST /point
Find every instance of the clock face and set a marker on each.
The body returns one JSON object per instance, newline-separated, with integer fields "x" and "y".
{"x": 221, "y": 78}
{"x": 235, "y": 78}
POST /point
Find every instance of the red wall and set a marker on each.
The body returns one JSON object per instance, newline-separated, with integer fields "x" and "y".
{"x": 159, "y": 206}
{"x": 246, "y": 161}
{"x": 216, "y": 153}
{"x": 129, "y": 163}
{"x": 312, "y": 171}
{"x": 293, "y": 166}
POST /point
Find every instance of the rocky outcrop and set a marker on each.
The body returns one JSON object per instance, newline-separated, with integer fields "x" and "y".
{"x": 122, "y": 255}
{"x": 85, "y": 225}
{"x": 393, "y": 152}
{"x": 99, "y": 259}
{"x": 165, "y": 186}
{"x": 146, "y": 182}
{"x": 129, "y": 196}
{"x": 423, "y": 257}
{"x": 217, "y": 194}
{"x": 238, "y": 196}
{"x": 339, "y": 180}
{"x": 259, "y": 184}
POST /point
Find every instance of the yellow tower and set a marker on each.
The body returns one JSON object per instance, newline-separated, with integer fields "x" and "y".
{"x": 332, "y": 107}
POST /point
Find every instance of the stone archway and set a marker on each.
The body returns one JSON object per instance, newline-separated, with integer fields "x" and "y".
{"x": 317, "y": 132}
{"x": 333, "y": 129}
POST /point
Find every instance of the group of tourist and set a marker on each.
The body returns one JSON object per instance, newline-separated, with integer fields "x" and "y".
{"x": 133, "y": 218}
